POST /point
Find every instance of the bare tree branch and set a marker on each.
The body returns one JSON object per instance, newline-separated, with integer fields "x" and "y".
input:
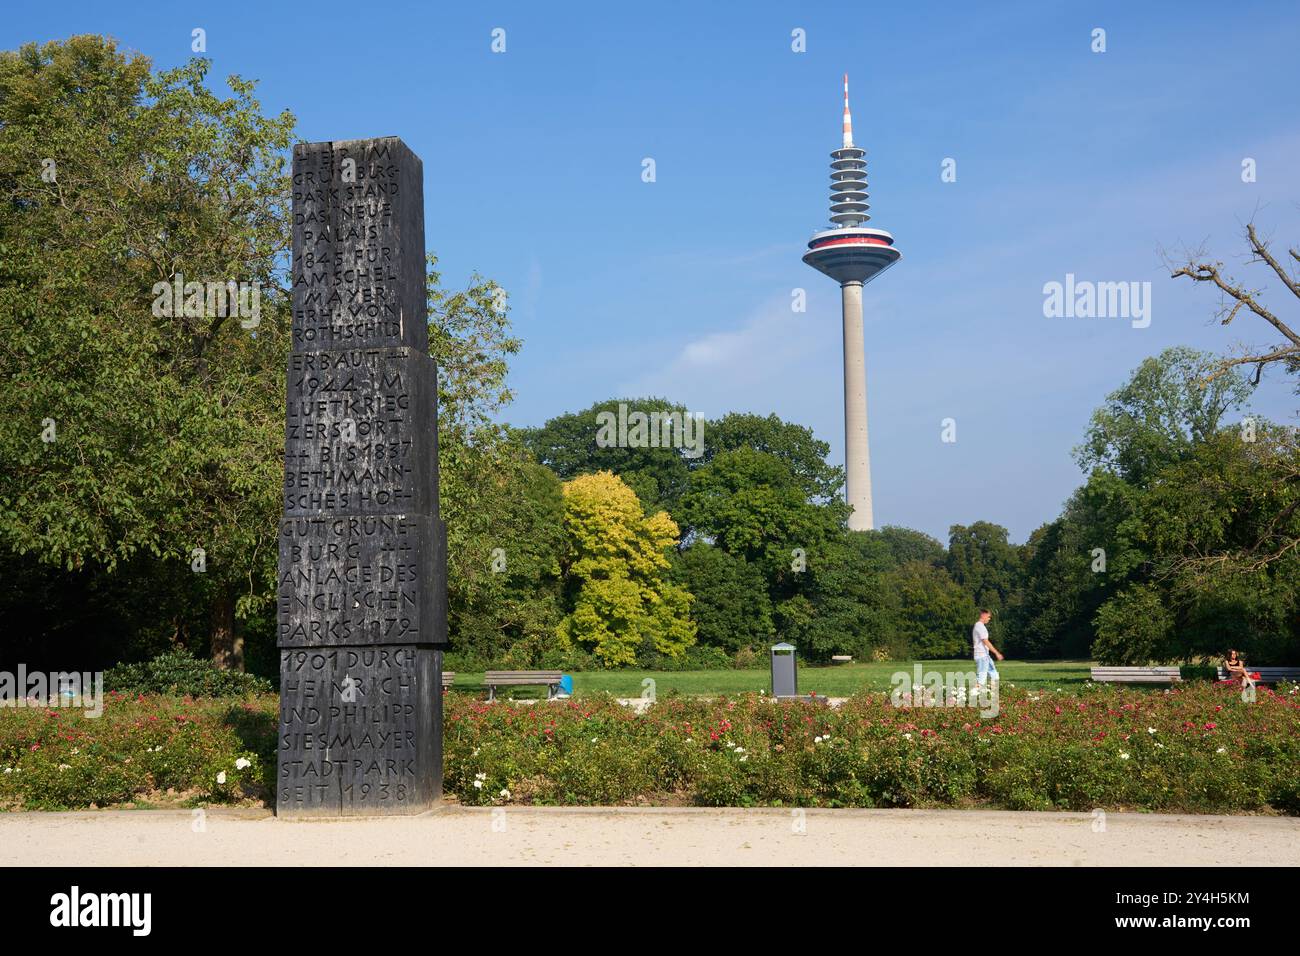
{"x": 1261, "y": 250}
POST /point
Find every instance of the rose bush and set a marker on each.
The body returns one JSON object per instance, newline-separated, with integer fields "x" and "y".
{"x": 1197, "y": 748}
{"x": 150, "y": 749}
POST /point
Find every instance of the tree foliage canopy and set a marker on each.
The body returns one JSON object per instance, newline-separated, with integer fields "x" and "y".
{"x": 615, "y": 564}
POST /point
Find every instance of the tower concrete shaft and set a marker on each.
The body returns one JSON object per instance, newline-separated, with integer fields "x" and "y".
{"x": 857, "y": 452}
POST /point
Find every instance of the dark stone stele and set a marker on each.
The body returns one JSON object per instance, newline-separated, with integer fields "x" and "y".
{"x": 362, "y": 581}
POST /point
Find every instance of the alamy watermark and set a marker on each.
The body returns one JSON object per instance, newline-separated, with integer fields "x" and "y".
{"x": 922, "y": 688}
{"x": 624, "y": 429}
{"x": 209, "y": 300}
{"x": 129, "y": 910}
{"x": 1098, "y": 300}
{"x": 53, "y": 689}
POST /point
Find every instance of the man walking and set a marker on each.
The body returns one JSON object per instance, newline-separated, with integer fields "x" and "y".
{"x": 979, "y": 635}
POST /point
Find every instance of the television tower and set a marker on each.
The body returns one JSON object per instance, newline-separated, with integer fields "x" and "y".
{"x": 852, "y": 255}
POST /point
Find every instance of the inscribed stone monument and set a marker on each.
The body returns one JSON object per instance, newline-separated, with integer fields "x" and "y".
{"x": 362, "y": 575}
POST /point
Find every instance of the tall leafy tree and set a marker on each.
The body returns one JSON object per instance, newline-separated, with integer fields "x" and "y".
{"x": 138, "y": 436}
{"x": 615, "y": 563}
{"x": 573, "y": 444}
{"x": 934, "y": 613}
{"x": 1170, "y": 403}
{"x": 135, "y": 431}
{"x": 751, "y": 505}
{"x": 985, "y": 563}
{"x": 842, "y": 602}
{"x": 1061, "y": 586}
{"x": 795, "y": 445}
{"x": 1220, "y": 538}
{"x": 731, "y": 606}
{"x": 907, "y": 545}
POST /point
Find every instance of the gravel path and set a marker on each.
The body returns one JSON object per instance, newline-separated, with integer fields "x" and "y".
{"x": 645, "y": 837}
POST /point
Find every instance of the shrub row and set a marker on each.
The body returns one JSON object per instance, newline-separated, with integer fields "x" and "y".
{"x": 147, "y": 749}
{"x": 1197, "y": 749}
{"x": 179, "y": 672}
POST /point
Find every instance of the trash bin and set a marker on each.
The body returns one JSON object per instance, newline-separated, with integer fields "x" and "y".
{"x": 784, "y": 681}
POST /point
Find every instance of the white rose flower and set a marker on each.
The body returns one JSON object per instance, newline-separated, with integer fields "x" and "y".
{"x": 221, "y": 777}
{"x": 243, "y": 763}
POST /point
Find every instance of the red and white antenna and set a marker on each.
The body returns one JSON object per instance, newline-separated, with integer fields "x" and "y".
{"x": 848, "y": 118}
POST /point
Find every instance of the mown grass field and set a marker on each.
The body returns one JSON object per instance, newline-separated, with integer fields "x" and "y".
{"x": 842, "y": 680}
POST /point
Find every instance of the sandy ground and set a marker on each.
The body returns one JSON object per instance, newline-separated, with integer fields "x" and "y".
{"x": 527, "y": 836}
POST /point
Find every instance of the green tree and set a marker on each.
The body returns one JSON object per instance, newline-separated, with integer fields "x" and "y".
{"x": 750, "y": 504}
{"x": 567, "y": 444}
{"x": 615, "y": 566}
{"x": 907, "y": 545}
{"x": 1060, "y": 590}
{"x": 169, "y": 428}
{"x": 842, "y": 603}
{"x": 1170, "y": 403}
{"x": 503, "y": 582}
{"x": 504, "y": 512}
{"x": 934, "y": 613}
{"x": 731, "y": 606}
{"x": 1134, "y": 627}
{"x": 1219, "y": 531}
{"x": 792, "y": 444}
{"x": 982, "y": 561}
{"x": 166, "y": 426}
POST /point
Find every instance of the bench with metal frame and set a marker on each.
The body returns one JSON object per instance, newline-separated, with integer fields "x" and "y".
{"x": 1136, "y": 675}
{"x": 1267, "y": 675}
{"x": 548, "y": 679}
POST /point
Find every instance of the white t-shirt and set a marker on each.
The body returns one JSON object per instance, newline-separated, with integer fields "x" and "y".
{"x": 978, "y": 635}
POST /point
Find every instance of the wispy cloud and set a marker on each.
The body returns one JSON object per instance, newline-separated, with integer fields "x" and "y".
{"x": 768, "y": 362}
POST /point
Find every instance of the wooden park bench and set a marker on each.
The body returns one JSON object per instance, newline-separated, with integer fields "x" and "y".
{"x": 548, "y": 679}
{"x": 448, "y": 678}
{"x": 1268, "y": 675}
{"x": 842, "y": 659}
{"x": 1136, "y": 675}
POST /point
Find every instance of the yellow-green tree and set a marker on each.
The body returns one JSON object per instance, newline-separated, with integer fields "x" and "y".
{"x": 615, "y": 563}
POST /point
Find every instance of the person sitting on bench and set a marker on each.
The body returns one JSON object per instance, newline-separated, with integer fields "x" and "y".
{"x": 1236, "y": 667}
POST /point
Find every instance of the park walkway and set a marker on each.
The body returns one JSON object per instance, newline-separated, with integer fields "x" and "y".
{"x": 455, "y": 835}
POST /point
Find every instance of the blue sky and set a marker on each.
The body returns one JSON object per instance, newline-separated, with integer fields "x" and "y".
{"x": 1068, "y": 161}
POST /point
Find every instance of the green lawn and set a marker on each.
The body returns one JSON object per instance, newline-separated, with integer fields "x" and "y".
{"x": 834, "y": 681}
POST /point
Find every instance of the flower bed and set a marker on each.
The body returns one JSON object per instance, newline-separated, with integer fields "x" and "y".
{"x": 144, "y": 750}
{"x": 1197, "y": 748}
